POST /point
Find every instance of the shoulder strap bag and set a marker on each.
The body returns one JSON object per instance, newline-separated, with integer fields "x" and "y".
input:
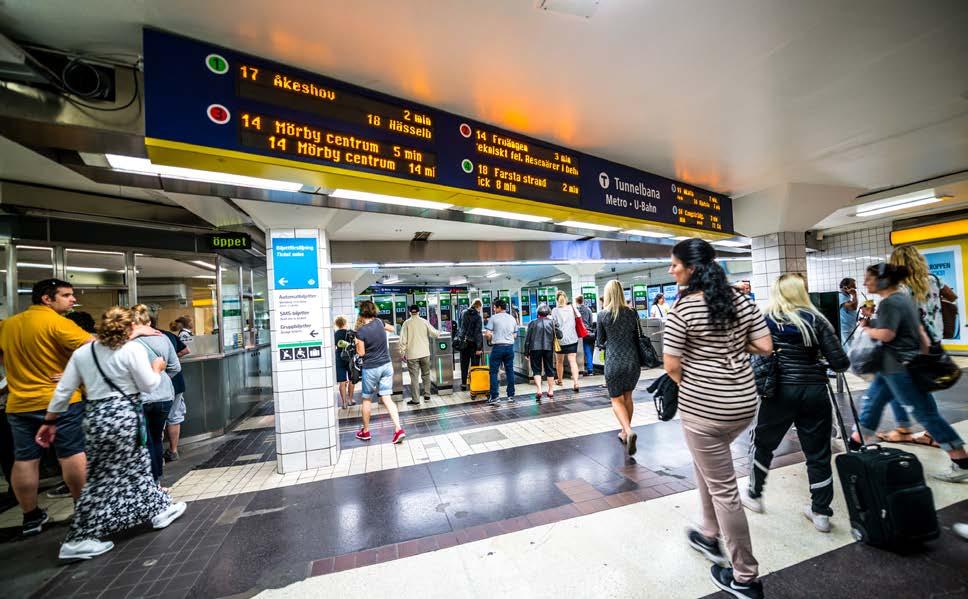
{"x": 579, "y": 324}
{"x": 141, "y": 438}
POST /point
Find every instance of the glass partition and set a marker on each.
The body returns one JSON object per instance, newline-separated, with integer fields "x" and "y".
{"x": 33, "y": 264}
{"x": 260, "y": 305}
{"x": 98, "y": 278}
{"x": 233, "y": 336}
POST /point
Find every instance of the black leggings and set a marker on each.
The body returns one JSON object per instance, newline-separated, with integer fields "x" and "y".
{"x": 468, "y": 358}
{"x": 809, "y": 408}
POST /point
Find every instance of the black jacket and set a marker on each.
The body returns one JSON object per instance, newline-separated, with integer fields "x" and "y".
{"x": 799, "y": 364}
{"x": 471, "y": 329}
{"x": 541, "y": 334}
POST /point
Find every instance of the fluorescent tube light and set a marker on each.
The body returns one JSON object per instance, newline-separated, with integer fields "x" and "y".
{"x": 642, "y": 233}
{"x": 203, "y": 277}
{"x": 580, "y": 225}
{"x": 391, "y": 280}
{"x": 145, "y": 167}
{"x": 902, "y": 204}
{"x": 728, "y": 243}
{"x": 379, "y": 198}
{"x": 87, "y": 269}
{"x": 492, "y": 275}
{"x": 510, "y": 215}
{"x": 33, "y": 265}
{"x": 681, "y": 238}
{"x": 458, "y": 281}
{"x": 204, "y": 264}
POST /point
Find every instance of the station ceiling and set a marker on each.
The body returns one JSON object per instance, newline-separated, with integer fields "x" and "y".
{"x": 734, "y": 96}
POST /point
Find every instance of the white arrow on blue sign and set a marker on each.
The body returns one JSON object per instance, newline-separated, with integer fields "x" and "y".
{"x": 295, "y": 262}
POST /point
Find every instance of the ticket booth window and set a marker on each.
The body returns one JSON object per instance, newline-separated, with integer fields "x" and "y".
{"x": 33, "y": 264}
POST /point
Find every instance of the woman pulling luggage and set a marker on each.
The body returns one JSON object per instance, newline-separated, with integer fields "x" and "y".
{"x": 801, "y": 337}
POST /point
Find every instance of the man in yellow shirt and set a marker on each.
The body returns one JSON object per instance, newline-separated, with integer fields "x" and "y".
{"x": 35, "y": 346}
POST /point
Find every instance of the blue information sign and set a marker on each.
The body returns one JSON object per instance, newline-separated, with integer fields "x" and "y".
{"x": 294, "y": 263}
{"x": 213, "y": 97}
{"x": 670, "y": 292}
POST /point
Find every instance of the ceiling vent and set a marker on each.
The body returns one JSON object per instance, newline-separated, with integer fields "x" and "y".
{"x": 422, "y": 235}
{"x": 575, "y": 8}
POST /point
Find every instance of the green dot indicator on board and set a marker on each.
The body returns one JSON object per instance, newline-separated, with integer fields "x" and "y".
{"x": 216, "y": 64}
{"x": 467, "y": 165}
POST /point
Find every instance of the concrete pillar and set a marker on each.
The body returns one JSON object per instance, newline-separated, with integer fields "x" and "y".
{"x": 303, "y": 376}
{"x": 775, "y": 254}
{"x": 582, "y": 275}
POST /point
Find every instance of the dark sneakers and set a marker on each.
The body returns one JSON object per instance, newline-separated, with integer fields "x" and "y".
{"x": 59, "y": 491}
{"x": 709, "y": 548}
{"x": 34, "y": 522}
{"x": 723, "y": 578}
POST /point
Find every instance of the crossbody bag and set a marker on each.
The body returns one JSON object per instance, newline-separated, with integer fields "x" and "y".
{"x": 141, "y": 438}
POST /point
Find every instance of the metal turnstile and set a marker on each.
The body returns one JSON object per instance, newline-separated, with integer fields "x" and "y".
{"x": 442, "y": 364}
{"x": 398, "y": 365}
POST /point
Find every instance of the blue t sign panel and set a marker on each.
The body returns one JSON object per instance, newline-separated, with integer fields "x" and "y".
{"x": 294, "y": 263}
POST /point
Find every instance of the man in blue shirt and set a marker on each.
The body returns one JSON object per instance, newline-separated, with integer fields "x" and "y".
{"x": 848, "y": 308}
{"x": 500, "y": 330}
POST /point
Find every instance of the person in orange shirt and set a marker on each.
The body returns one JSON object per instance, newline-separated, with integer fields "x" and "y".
{"x": 35, "y": 346}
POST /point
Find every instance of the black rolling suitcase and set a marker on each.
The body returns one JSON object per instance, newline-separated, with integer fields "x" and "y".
{"x": 888, "y": 503}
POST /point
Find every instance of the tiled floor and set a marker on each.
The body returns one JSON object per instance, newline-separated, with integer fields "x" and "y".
{"x": 549, "y": 496}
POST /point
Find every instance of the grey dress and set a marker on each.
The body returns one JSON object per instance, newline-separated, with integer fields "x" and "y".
{"x": 620, "y": 338}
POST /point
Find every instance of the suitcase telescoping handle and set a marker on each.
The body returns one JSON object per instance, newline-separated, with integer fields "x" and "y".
{"x": 845, "y": 435}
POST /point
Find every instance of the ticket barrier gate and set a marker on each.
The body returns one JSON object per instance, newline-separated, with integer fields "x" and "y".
{"x": 396, "y": 360}
{"x": 442, "y": 364}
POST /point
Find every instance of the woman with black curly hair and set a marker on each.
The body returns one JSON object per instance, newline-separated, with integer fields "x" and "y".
{"x": 709, "y": 334}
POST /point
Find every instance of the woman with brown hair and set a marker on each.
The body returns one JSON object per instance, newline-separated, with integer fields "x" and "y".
{"x": 120, "y": 492}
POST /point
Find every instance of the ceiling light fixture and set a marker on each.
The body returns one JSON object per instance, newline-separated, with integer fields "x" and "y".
{"x": 87, "y": 269}
{"x": 203, "y": 276}
{"x": 492, "y": 274}
{"x": 379, "y": 198}
{"x": 899, "y": 204}
{"x": 509, "y": 215}
{"x": 144, "y": 166}
{"x": 458, "y": 281}
{"x": 391, "y": 280}
{"x": 580, "y": 225}
{"x": 203, "y": 264}
{"x": 33, "y": 265}
{"x": 729, "y": 243}
{"x": 681, "y": 238}
{"x": 642, "y": 233}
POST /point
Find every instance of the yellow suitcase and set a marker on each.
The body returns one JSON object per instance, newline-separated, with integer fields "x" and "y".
{"x": 479, "y": 379}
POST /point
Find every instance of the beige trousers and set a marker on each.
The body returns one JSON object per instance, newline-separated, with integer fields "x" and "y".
{"x": 722, "y": 512}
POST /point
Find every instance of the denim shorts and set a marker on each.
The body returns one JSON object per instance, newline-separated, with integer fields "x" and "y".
{"x": 378, "y": 380}
{"x": 68, "y": 440}
{"x": 176, "y": 415}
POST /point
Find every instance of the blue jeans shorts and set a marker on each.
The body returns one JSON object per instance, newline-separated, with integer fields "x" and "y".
{"x": 378, "y": 380}
{"x": 68, "y": 441}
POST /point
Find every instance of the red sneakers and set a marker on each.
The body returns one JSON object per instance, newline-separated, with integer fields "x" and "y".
{"x": 363, "y": 435}
{"x": 397, "y": 436}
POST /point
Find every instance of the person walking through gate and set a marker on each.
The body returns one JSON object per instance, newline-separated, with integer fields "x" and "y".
{"x": 342, "y": 364}
{"x": 415, "y": 342}
{"x": 618, "y": 334}
{"x": 539, "y": 346}
{"x": 371, "y": 345}
{"x": 709, "y": 334}
{"x": 801, "y": 337}
{"x": 501, "y": 329}
{"x": 472, "y": 338}
{"x": 120, "y": 492}
{"x": 564, "y": 316}
{"x": 36, "y": 346}
{"x": 587, "y": 342}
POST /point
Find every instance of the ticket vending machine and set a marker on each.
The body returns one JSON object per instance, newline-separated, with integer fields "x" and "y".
{"x": 446, "y": 313}
{"x": 590, "y": 293}
{"x": 486, "y": 301}
{"x": 526, "y": 315}
{"x": 640, "y": 300}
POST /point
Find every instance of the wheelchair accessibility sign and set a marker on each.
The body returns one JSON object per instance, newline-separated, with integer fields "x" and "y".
{"x": 301, "y": 352}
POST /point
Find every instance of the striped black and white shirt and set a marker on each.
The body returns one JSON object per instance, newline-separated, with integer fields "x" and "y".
{"x": 717, "y": 381}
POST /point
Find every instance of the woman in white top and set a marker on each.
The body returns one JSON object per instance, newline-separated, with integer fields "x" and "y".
{"x": 659, "y": 307}
{"x": 564, "y": 316}
{"x": 120, "y": 492}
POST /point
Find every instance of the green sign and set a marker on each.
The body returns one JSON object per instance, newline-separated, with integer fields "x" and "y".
{"x": 590, "y": 293}
{"x": 229, "y": 241}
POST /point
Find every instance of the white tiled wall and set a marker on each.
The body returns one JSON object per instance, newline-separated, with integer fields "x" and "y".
{"x": 304, "y": 390}
{"x": 847, "y": 255}
{"x": 343, "y": 301}
{"x": 775, "y": 254}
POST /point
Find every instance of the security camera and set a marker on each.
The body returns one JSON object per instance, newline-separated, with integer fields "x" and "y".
{"x": 613, "y": 269}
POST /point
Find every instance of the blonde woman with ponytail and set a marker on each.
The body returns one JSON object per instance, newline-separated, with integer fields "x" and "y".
{"x": 120, "y": 492}
{"x": 801, "y": 338}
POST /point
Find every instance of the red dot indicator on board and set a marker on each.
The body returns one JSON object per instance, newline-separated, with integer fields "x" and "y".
{"x": 218, "y": 114}
{"x": 465, "y": 130}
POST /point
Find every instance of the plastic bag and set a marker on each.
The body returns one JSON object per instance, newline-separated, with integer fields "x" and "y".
{"x": 865, "y": 355}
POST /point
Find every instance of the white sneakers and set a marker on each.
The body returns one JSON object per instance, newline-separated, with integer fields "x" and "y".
{"x": 952, "y": 474}
{"x": 753, "y": 504}
{"x": 820, "y": 521}
{"x": 169, "y": 515}
{"x": 85, "y": 549}
{"x": 961, "y": 529}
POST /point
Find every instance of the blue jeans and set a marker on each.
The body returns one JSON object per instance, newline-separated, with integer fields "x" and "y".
{"x": 156, "y": 417}
{"x": 502, "y": 355}
{"x": 901, "y": 388}
{"x": 588, "y": 346}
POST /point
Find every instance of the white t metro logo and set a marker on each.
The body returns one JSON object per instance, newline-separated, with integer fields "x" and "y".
{"x": 603, "y": 180}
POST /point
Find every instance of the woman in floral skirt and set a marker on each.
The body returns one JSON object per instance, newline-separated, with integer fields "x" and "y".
{"x": 120, "y": 492}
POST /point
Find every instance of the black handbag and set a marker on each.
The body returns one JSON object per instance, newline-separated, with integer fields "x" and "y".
{"x": 665, "y": 396}
{"x": 935, "y": 370}
{"x": 766, "y": 372}
{"x": 647, "y": 355}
